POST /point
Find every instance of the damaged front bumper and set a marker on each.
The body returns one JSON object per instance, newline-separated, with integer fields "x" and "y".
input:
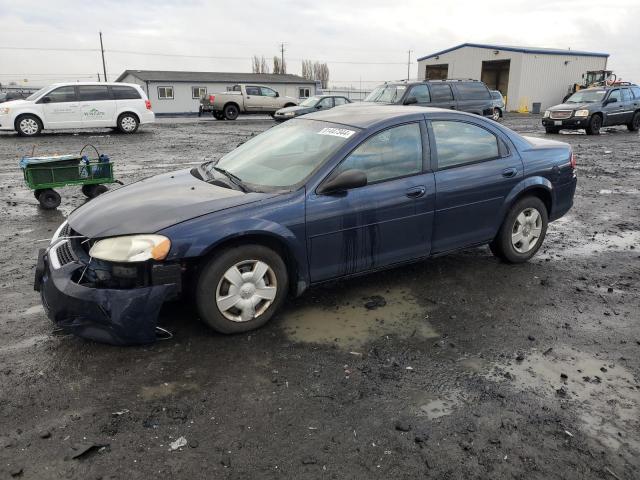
{"x": 118, "y": 316}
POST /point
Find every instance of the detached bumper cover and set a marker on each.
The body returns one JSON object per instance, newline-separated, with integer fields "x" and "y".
{"x": 117, "y": 317}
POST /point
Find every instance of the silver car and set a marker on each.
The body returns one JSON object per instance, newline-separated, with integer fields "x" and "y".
{"x": 498, "y": 105}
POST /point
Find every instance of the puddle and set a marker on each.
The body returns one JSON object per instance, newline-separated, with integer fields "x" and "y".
{"x": 350, "y": 324}
{"x": 607, "y": 394}
{"x": 156, "y": 392}
{"x": 605, "y": 243}
{"x": 434, "y": 406}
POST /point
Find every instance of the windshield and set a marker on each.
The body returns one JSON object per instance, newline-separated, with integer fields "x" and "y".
{"x": 586, "y": 96}
{"x": 310, "y": 102}
{"x": 386, "y": 94}
{"x": 283, "y": 156}
{"x": 35, "y": 95}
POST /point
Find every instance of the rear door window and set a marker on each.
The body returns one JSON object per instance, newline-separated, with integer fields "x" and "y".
{"x": 472, "y": 91}
{"x": 441, "y": 92}
{"x": 636, "y": 92}
{"x": 421, "y": 93}
{"x": 94, "y": 93}
{"x": 459, "y": 143}
{"x": 626, "y": 95}
{"x": 125, "y": 93}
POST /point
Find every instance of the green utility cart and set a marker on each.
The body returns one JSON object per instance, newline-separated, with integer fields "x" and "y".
{"x": 43, "y": 174}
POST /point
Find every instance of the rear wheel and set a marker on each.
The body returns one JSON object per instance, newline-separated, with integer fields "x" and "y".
{"x": 551, "y": 129}
{"x": 241, "y": 288}
{"x": 522, "y": 231}
{"x": 28, "y": 126}
{"x": 231, "y": 112}
{"x": 49, "y": 199}
{"x": 594, "y": 125}
{"x": 128, "y": 123}
{"x": 634, "y": 124}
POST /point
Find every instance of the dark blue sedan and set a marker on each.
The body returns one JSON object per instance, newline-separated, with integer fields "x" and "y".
{"x": 330, "y": 195}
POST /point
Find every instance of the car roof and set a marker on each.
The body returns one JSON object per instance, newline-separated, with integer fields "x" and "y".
{"x": 363, "y": 115}
{"x": 111, "y": 84}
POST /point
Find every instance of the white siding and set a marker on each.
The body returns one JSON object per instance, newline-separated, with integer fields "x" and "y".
{"x": 183, "y": 102}
{"x": 532, "y": 77}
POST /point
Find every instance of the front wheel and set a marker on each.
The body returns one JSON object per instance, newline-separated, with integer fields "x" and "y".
{"x": 28, "y": 126}
{"x": 522, "y": 231}
{"x": 241, "y": 288}
{"x": 128, "y": 123}
{"x": 496, "y": 114}
{"x": 634, "y": 125}
{"x": 594, "y": 125}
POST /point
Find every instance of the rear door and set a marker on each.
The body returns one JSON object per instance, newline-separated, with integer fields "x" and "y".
{"x": 97, "y": 106}
{"x": 476, "y": 169}
{"x": 627, "y": 101}
{"x": 60, "y": 108}
{"x": 442, "y": 96}
{"x": 385, "y": 222}
{"x": 127, "y": 98}
{"x": 473, "y": 97}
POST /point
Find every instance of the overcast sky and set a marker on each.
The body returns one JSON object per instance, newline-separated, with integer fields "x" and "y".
{"x": 361, "y": 41}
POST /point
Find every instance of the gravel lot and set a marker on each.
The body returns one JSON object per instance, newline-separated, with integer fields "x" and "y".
{"x": 471, "y": 369}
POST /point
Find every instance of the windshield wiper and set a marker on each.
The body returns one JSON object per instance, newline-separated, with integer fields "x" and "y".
{"x": 234, "y": 179}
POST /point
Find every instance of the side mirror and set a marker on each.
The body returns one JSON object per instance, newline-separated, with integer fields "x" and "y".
{"x": 411, "y": 101}
{"x": 318, "y": 107}
{"x": 277, "y": 94}
{"x": 344, "y": 181}
{"x": 610, "y": 100}
{"x": 46, "y": 100}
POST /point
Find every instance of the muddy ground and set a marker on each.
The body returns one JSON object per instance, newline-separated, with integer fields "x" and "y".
{"x": 473, "y": 369}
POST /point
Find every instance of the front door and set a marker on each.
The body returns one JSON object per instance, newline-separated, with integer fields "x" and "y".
{"x": 475, "y": 172}
{"x": 60, "y": 108}
{"x": 614, "y": 112}
{"x": 270, "y": 99}
{"x": 385, "y": 222}
{"x": 254, "y": 101}
{"x": 97, "y": 106}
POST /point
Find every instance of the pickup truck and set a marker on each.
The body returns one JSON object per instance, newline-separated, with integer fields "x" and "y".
{"x": 244, "y": 99}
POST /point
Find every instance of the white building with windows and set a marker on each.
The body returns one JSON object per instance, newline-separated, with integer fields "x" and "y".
{"x": 524, "y": 75}
{"x": 180, "y": 92}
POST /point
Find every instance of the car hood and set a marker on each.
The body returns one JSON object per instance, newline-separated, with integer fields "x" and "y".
{"x": 570, "y": 106}
{"x": 15, "y": 103}
{"x": 296, "y": 109}
{"x": 153, "y": 204}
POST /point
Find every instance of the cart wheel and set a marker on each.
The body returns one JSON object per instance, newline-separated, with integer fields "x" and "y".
{"x": 49, "y": 199}
{"x": 37, "y": 192}
{"x": 93, "y": 191}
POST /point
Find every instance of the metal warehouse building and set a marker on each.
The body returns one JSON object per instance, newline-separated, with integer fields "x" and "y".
{"x": 180, "y": 92}
{"x": 524, "y": 75}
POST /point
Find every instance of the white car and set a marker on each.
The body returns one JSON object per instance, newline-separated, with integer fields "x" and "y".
{"x": 78, "y": 105}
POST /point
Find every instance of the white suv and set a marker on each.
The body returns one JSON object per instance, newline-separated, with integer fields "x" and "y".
{"x": 78, "y": 105}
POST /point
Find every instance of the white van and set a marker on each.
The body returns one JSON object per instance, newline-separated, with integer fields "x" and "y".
{"x": 78, "y": 105}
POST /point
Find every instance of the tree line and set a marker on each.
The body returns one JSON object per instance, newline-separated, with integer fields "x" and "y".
{"x": 316, "y": 71}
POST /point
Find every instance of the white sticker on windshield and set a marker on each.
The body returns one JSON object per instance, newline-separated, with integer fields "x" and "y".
{"x": 336, "y": 132}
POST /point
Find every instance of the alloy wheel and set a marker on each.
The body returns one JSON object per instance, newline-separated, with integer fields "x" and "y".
{"x": 526, "y": 230}
{"x": 128, "y": 124}
{"x": 496, "y": 114}
{"x": 28, "y": 126}
{"x": 246, "y": 290}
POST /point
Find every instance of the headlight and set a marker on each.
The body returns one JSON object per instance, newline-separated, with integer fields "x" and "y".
{"x": 547, "y": 114}
{"x": 133, "y": 248}
{"x": 4, "y": 111}
{"x": 581, "y": 113}
{"x": 289, "y": 114}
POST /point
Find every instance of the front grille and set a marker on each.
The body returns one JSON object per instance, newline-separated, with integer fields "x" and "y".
{"x": 65, "y": 254}
{"x": 561, "y": 114}
{"x": 66, "y": 230}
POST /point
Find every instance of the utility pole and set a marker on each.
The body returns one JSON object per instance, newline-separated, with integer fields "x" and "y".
{"x": 282, "y": 57}
{"x": 409, "y": 65}
{"x": 104, "y": 65}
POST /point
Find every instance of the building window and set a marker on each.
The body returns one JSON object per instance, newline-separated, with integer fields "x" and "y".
{"x": 304, "y": 92}
{"x": 165, "y": 93}
{"x": 198, "y": 92}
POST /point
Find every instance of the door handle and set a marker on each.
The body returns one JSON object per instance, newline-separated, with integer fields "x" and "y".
{"x": 416, "y": 192}
{"x": 509, "y": 172}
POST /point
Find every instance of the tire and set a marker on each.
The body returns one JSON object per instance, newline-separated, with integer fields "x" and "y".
{"x": 551, "y": 129}
{"x": 28, "y": 125}
{"x": 37, "y": 192}
{"x": 634, "y": 124}
{"x": 496, "y": 114}
{"x": 92, "y": 191}
{"x": 594, "y": 125}
{"x": 529, "y": 218}
{"x": 49, "y": 199}
{"x": 128, "y": 123}
{"x": 289, "y": 105}
{"x": 231, "y": 112}
{"x": 218, "y": 115}
{"x": 214, "y": 287}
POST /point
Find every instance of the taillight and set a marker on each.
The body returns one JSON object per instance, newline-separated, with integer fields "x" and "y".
{"x": 211, "y": 98}
{"x": 148, "y": 104}
{"x": 573, "y": 160}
